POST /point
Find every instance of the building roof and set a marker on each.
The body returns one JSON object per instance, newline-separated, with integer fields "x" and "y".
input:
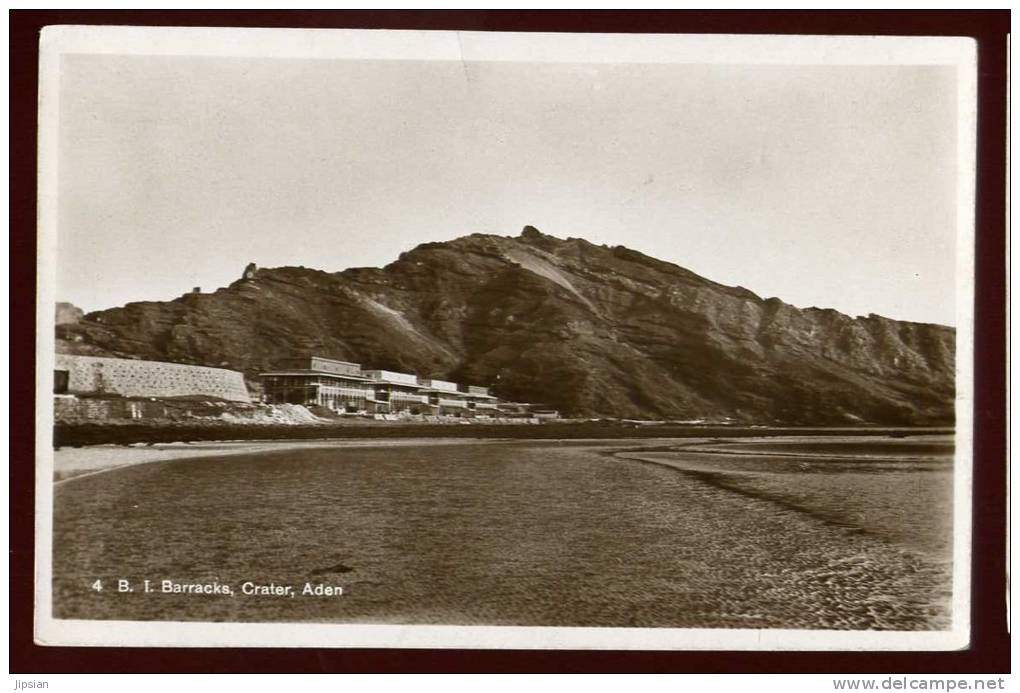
{"x": 309, "y": 372}
{"x": 395, "y": 383}
{"x": 378, "y": 377}
{"x": 435, "y": 383}
{"x": 328, "y": 360}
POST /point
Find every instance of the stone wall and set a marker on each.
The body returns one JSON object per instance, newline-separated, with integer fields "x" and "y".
{"x": 71, "y": 409}
{"x": 135, "y": 378}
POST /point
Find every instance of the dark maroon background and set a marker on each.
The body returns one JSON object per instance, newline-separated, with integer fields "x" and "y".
{"x": 989, "y": 651}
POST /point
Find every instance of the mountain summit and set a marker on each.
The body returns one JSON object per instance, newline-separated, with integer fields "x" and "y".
{"x": 590, "y": 330}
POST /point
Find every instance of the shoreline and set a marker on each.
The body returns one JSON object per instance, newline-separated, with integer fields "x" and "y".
{"x": 78, "y": 462}
{"x": 568, "y": 482}
{"x": 75, "y": 462}
{"x": 84, "y": 435}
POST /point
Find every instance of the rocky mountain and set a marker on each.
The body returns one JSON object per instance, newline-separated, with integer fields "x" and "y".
{"x": 591, "y": 330}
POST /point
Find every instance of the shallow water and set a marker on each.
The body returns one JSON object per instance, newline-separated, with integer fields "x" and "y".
{"x": 522, "y": 533}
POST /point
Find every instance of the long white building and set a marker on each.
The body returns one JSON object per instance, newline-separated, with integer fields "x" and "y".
{"x": 347, "y": 387}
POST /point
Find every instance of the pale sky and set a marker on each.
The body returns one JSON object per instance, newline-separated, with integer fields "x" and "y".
{"x": 826, "y": 186}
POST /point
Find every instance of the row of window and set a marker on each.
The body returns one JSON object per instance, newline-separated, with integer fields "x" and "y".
{"x": 270, "y": 381}
{"x": 352, "y": 396}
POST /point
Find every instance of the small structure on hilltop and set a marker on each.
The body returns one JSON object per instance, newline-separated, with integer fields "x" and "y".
{"x": 68, "y": 313}
{"x": 250, "y": 271}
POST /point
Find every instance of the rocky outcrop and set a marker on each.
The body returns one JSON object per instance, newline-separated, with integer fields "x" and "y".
{"x": 68, "y": 313}
{"x": 590, "y": 330}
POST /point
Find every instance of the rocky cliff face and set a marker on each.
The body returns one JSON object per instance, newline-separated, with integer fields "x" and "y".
{"x": 590, "y": 330}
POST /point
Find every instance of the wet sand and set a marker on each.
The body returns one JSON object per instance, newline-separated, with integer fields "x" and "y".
{"x": 899, "y": 491}
{"x": 84, "y": 434}
{"x": 519, "y": 532}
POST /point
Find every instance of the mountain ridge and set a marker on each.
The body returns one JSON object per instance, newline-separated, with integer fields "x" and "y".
{"x": 591, "y": 330}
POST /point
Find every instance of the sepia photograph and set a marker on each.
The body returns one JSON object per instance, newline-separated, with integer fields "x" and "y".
{"x": 436, "y": 339}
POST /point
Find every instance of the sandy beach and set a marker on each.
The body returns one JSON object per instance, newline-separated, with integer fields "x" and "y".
{"x": 69, "y": 463}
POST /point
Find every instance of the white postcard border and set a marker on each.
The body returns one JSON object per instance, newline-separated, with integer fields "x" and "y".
{"x": 334, "y": 44}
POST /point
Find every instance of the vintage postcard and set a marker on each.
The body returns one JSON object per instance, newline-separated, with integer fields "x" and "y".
{"x": 420, "y": 339}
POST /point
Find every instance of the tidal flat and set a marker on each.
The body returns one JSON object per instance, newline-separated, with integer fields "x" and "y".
{"x": 809, "y": 533}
